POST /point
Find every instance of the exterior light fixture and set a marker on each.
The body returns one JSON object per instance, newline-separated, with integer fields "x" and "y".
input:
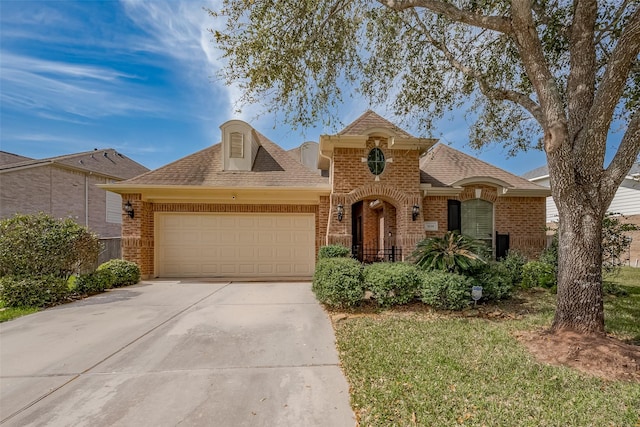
{"x": 128, "y": 209}
{"x": 415, "y": 212}
{"x": 340, "y": 210}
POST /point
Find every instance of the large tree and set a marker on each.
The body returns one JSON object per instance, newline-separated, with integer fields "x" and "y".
{"x": 552, "y": 74}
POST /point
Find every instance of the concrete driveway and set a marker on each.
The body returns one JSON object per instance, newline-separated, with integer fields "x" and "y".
{"x": 167, "y": 353}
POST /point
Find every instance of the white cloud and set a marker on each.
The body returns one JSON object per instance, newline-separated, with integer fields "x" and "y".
{"x": 53, "y": 89}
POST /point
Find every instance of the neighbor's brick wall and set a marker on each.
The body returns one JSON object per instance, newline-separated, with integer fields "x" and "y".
{"x": 138, "y": 233}
{"x": 58, "y": 192}
{"x": 523, "y": 218}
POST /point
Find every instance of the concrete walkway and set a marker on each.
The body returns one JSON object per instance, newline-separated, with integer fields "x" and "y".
{"x": 167, "y": 353}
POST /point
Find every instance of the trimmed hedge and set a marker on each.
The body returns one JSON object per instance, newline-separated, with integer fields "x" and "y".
{"x": 333, "y": 251}
{"x": 32, "y": 291}
{"x": 338, "y": 282}
{"x": 124, "y": 272}
{"x": 392, "y": 283}
{"x": 443, "y": 290}
{"x": 93, "y": 283}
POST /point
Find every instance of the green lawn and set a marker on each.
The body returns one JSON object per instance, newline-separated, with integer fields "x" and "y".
{"x": 412, "y": 368}
{"x": 8, "y": 313}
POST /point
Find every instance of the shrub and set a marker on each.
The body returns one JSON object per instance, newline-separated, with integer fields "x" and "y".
{"x": 32, "y": 291}
{"x": 124, "y": 272}
{"x": 337, "y": 282}
{"x": 445, "y": 290}
{"x": 392, "y": 283}
{"x": 93, "y": 283}
{"x": 39, "y": 245}
{"x": 333, "y": 251}
{"x": 537, "y": 273}
{"x": 454, "y": 253}
{"x": 497, "y": 282}
{"x": 513, "y": 263}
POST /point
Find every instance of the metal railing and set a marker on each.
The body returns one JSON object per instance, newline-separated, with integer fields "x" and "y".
{"x": 372, "y": 254}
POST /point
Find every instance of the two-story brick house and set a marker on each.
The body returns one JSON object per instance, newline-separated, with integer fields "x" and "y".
{"x": 65, "y": 186}
{"x": 245, "y": 207}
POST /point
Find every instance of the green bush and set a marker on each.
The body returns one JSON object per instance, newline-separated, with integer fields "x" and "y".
{"x": 392, "y": 283}
{"x": 40, "y": 245}
{"x": 454, "y": 253}
{"x": 443, "y": 290}
{"x": 124, "y": 272}
{"x": 333, "y": 251}
{"x": 497, "y": 282}
{"x": 338, "y": 282}
{"x": 537, "y": 273}
{"x": 32, "y": 291}
{"x": 513, "y": 263}
{"x": 93, "y": 283}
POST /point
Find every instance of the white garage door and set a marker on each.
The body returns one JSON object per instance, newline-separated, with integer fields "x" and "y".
{"x": 234, "y": 245}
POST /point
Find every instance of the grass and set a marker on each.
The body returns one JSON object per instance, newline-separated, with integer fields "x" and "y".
{"x": 407, "y": 368}
{"x": 8, "y": 313}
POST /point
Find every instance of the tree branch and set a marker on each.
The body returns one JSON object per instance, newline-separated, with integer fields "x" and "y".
{"x": 624, "y": 158}
{"x": 581, "y": 81}
{"x": 537, "y": 69}
{"x": 496, "y": 23}
{"x": 622, "y": 60}
{"x": 489, "y": 91}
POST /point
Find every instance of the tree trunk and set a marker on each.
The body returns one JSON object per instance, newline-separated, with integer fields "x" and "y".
{"x": 579, "y": 302}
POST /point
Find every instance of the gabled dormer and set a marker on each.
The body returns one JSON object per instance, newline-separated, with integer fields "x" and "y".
{"x": 239, "y": 145}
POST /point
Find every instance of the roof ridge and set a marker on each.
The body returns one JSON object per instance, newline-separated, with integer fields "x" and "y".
{"x": 371, "y": 115}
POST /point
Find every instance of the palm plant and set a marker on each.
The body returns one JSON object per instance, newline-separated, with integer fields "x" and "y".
{"x": 454, "y": 253}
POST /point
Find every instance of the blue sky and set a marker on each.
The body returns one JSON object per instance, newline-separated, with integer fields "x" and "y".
{"x": 139, "y": 76}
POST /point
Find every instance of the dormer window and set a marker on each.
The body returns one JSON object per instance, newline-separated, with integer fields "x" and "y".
{"x": 236, "y": 149}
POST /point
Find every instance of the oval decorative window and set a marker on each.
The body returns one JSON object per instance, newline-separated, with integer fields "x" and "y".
{"x": 376, "y": 161}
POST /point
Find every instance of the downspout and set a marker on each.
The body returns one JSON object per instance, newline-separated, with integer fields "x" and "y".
{"x": 86, "y": 200}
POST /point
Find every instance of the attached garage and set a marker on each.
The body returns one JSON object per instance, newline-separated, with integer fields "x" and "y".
{"x": 234, "y": 245}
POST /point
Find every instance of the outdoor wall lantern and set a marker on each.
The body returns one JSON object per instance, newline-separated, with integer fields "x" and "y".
{"x": 340, "y": 211}
{"x": 128, "y": 209}
{"x": 415, "y": 212}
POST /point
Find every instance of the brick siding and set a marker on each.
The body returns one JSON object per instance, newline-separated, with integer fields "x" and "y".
{"x": 58, "y": 192}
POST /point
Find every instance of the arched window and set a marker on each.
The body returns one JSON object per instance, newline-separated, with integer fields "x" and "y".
{"x": 477, "y": 220}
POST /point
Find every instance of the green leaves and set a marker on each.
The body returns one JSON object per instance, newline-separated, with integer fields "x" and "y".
{"x": 454, "y": 253}
{"x": 39, "y": 245}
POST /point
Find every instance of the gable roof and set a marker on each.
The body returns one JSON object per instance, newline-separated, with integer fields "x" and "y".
{"x": 444, "y": 167}
{"x": 8, "y": 158}
{"x": 273, "y": 167}
{"x": 370, "y": 120}
{"x": 107, "y": 162}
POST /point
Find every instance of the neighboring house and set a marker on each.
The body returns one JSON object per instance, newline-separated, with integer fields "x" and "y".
{"x": 245, "y": 207}
{"x": 65, "y": 186}
{"x": 626, "y": 202}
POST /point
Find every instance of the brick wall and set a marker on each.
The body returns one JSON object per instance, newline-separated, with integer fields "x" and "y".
{"x": 523, "y": 218}
{"x": 398, "y": 186}
{"x": 59, "y": 192}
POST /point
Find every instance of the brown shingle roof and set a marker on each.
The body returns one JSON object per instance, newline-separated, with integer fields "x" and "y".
{"x": 443, "y": 166}
{"x": 9, "y": 158}
{"x": 371, "y": 120}
{"x": 273, "y": 167}
{"x": 106, "y": 162}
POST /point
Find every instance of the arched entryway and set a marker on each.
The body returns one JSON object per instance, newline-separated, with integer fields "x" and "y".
{"x": 374, "y": 231}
